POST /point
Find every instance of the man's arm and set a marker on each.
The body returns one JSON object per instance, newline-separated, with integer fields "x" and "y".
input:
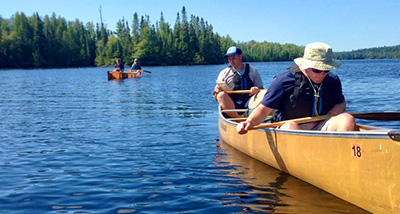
{"x": 255, "y": 118}
{"x": 338, "y": 109}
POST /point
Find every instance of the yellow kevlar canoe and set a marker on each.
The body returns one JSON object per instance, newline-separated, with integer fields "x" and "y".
{"x": 361, "y": 167}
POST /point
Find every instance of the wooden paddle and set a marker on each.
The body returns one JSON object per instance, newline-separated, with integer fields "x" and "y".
{"x": 380, "y": 116}
{"x": 298, "y": 121}
{"x": 239, "y": 92}
{"x": 146, "y": 71}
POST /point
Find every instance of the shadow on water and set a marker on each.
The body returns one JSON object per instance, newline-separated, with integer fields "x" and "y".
{"x": 262, "y": 188}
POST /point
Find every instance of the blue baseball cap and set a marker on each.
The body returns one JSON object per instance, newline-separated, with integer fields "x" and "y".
{"x": 232, "y": 51}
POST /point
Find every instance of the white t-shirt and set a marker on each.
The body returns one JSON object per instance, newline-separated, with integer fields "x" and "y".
{"x": 228, "y": 74}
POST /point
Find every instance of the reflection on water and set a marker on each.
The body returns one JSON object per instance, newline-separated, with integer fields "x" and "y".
{"x": 73, "y": 142}
{"x": 265, "y": 189}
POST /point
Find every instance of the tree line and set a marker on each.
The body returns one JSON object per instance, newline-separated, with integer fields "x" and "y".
{"x": 51, "y": 41}
{"x": 391, "y": 52}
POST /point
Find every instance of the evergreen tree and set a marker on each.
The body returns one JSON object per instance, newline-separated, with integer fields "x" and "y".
{"x": 176, "y": 41}
{"x": 148, "y": 47}
{"x": 123, "y": 35}
{"x": 5, "y": 42}
{"x": 90, "y": 41}
{"x": 186, "y": 55}
{"x": 21, "y": 50}
{"x": 165, "y": 41}
{"x": 39, "y": 41}
{"x": 135, "y": 30}
{"x": 194, "y": 45}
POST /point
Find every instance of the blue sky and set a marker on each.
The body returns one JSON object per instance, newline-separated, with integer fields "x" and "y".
{"x": 344, "y": 24}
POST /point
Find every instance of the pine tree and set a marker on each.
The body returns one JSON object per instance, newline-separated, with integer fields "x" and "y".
{"x": 39, "y": 41}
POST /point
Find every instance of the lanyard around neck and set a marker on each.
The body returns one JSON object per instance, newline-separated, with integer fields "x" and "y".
{"x": 316, "y": 111}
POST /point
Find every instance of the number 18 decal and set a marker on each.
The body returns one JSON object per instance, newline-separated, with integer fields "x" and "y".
{"x": 356, "y": 151}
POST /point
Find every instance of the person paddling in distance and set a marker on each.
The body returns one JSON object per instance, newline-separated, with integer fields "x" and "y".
{"x": 135, "y": 66}
{"x": 237, "y": 76}
{"x": 305, "y": 89}
{"x": 119, "y": 66}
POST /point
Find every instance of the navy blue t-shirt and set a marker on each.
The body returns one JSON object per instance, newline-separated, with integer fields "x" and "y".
{"x": 282, "y": 87}
{"x": 121, "y": 66}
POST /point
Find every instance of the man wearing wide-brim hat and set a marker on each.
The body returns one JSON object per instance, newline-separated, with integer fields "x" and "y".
{"x": 306, "y": 89}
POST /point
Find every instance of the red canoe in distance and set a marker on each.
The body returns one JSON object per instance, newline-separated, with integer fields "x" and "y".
{"x": 123, "y": 75}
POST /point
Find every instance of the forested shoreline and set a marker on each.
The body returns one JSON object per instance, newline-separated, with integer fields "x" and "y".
{"x": 51, "y": 41}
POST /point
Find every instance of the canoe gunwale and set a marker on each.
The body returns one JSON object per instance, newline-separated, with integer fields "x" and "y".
{"x": 381, "y": 133}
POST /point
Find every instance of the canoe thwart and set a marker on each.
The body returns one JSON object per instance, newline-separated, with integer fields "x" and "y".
{"x": 234, "y": 110}
{"x": 237, "y": 119}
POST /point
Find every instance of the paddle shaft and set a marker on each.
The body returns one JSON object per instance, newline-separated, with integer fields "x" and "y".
{"x": 130, "y": 71}
{"x": 239, "y": 92}
{"x": 298, "y": 121}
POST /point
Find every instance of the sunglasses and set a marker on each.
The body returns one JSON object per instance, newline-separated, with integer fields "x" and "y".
{"x": 319, "y": 71}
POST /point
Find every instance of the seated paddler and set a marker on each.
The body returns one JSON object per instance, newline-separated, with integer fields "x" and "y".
{"x": 237, "y": 76}
{"x": 308, "y": 88}
{"x": 135, "y": 66}
{"x": 119, "y": 66}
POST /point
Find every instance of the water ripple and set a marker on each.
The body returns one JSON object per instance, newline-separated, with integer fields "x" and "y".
{"x": 73, "y": 142}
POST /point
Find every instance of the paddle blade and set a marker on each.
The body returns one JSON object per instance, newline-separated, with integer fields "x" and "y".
{"x": 379, "y": 116}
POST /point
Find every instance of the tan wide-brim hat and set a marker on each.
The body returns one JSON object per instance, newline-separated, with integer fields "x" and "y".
{"x": 318, "y": 55}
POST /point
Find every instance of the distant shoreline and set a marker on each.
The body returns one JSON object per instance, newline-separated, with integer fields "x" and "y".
{"x": 111, "y": 67}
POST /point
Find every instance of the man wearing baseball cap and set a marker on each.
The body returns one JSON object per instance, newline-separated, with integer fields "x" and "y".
{"x": 306, "y": 89}
{"x": 237, "y": 76}
{"x": 135, "y": 66}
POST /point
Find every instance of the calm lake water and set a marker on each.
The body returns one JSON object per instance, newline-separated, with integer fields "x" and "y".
{"x": 73, "y": 142}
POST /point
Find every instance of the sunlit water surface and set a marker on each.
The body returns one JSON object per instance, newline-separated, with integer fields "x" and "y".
{"x": 73, "y": 142}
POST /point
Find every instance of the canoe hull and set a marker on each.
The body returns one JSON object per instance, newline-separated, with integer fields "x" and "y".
{"x": 123, "y": 75}
{"x": 362, "y": 168}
